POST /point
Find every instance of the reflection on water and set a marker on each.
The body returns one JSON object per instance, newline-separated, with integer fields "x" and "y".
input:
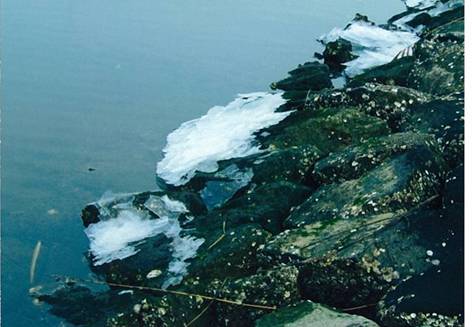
{"x": 91, "y": 89}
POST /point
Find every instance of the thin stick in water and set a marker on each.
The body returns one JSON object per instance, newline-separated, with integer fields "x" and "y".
{"x": 34, "y": 260}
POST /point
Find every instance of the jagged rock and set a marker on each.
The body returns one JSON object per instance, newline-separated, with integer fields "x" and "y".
{"x": 233, "y": 254}
{"x": 267, "y": 205}
{"x": 354, "y": 161}
{"x": 395, "y": 72}
{"x": 397, "y": 184}
{"x": 452, "y": 31}
{"x": 435, "y": 24}
{"x": 349, "y": 264}
{"x": 327, "y": 129}
{"x": 309, "y": 76}
{"x": 445, "y": 120}
{"x": 290, "y": 164}
{"x": 277, "y": 287}
{"x": 387, "y": 102}
{"x": 79, "y": 305}
{"x": 286, "y": 164}
{"x": 309, "y": 314}
{"x": 337, "y": 53}
{"x": 438, "y": 67}
{"x": 434, "y": 298}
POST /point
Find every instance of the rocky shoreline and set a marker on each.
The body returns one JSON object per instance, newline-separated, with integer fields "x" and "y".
{"x": 348, "y": 212}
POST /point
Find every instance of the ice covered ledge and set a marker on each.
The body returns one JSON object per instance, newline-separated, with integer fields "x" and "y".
{"x": 225, "y": 132}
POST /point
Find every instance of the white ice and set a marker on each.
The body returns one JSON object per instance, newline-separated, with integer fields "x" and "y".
{"x": 116, "y": 238}
{"x": 372, "y": 44}
{"x": 225, "y": 132}
{"x": 123, "y": 228}
{"x": 420, "y": 4}
{"x": 432, "y": 7}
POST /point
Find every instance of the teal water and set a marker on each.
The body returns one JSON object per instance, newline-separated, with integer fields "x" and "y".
{"x": 99, "y": 84}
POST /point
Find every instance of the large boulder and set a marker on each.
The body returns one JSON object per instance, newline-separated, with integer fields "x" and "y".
{"x": 438, "y": 67}
{"x": 309, "y": 314}
{"x": 443, "y": 118}
{"x": 389, "y": 102}
{"x": 395, "y": 72}
{"x": 228, "y": 252}
{"x": 354, "y": 161}
{"x": 399, "y": 183}
{"x": 328, "y": 129}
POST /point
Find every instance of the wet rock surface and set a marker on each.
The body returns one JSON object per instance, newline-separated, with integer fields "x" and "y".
{"x": 350, "y": 212}
{"x": 312, "y": 314}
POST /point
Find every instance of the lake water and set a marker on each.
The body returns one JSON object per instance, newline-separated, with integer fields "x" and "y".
{"x": 99, "y": 84}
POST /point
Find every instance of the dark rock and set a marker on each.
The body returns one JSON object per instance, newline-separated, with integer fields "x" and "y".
{"x": 434, "y": 298}
{"x": 277, "y": 287}
{"x": 309, "y": 314}
{"x": 395, "y": 72}
{"x": 341, "y": 283}
{"x": 153, "y": 254}
{"x": 228, "y": 252}
{"x": 267, "y": 205}
{"x": 309, "y": 76}
{"x": 337, "y": 53}
{"x": 445, "y": 120}
{"x": 329, "y": 129}
{"x": 387, "y": 102}
{"x": 90, "y": 215}
{"x": 438, "y": 67}
{"x": 79, "y": 305}
{"x": 435, "y": 24}
{"x": 354, "y": 161}
{"x": 397, "y": 184}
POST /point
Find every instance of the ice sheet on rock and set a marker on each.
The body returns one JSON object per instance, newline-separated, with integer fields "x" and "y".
{"x": 420, "y": 4}
{"x": 223, "y": 133}
{"x": 433, "y": 8}
{"x": 122, "y": 228}
{"x": 229, "y": 181}
{"x": 373, "y": 45}
{"x": 116, "y": 238}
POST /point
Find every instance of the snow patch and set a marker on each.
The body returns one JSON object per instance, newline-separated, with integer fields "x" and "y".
{"x": 223, "y": 133}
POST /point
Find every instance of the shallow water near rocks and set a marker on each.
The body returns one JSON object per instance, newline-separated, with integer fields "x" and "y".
{"x": 91, "y": 89}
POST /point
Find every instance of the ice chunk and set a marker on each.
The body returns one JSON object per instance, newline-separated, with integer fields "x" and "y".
{"x": 122, "y": 228}
{"x": 116, "y": 238}
{"x": 432, "y": 7}
{"x": 223, "y": 133}
{"x": 373, "y": 45}
{"x": 420, "y": 4}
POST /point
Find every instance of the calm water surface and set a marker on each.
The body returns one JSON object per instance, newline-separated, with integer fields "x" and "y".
{"x": 99, "y": 84}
